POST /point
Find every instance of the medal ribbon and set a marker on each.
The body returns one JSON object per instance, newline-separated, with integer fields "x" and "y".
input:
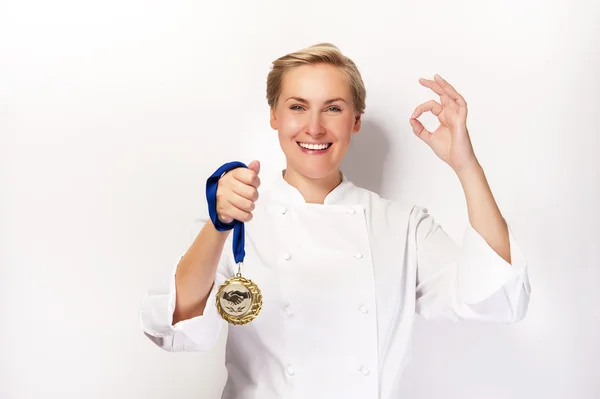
{"x": 238, "y": 227}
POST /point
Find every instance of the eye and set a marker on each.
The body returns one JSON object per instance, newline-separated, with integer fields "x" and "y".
{"x": 296, "y": 107}
{"x": 334, "y": 108}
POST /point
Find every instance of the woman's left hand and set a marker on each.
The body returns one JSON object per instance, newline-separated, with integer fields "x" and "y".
{"x": 450, "y": 141}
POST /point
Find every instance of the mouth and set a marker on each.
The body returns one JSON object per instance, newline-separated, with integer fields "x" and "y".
{"x": 314, "y": 148}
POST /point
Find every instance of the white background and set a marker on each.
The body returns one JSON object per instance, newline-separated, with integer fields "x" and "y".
{"x": 113, "y": 113}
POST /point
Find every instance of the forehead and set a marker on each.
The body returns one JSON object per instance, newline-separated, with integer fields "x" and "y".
{"x": 319, "y": 81}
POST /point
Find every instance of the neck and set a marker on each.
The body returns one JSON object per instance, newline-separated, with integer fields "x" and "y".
{"x": 314, "y": 191}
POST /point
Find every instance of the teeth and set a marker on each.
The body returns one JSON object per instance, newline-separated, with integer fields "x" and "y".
{"x": 314, "y": 146}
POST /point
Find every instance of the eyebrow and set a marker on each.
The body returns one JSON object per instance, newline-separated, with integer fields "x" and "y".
{"x": 301, "y": 100}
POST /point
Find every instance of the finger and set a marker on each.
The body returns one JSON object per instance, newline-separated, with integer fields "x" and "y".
{"x": 226, "y": 210}
{"x": 449, "y": 90}
{"x": 432, "y": 85}
{"x": 241, "y": 203}
{"x": 238, "y": 214}
{"x": 247, "y": 176}
{"x": 245, "y": 190}
{"x": 420, "y": 131}
{"x": 431, "y": 105}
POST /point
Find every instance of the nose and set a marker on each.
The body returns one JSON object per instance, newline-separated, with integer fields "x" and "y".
{"x": 315, "y": 126}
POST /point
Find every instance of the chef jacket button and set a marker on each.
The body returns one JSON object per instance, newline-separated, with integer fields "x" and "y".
{"x": 287, "y": 256}
{"x": 363, "y": 309}
{"x": 351, "y": 211}
{"x": 290, "y": 370}
{"x": 364, "y": 370}
{"x": 288, "y": 310}
{"x": 282, "y": 210}
{"x": 358, "y": 255}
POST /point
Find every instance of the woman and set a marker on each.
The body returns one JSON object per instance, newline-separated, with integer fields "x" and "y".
{"x": 341, "y": 270}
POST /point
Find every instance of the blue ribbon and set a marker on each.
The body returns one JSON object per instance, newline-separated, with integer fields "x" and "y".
{"x": 238, "y": 227}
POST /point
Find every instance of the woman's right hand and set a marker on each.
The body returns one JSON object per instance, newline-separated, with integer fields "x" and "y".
{"x": 237, "y": 191}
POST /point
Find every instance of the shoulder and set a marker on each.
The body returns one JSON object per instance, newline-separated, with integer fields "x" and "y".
{"x": 391, "y": 206}
{"x": 398, "y": 215}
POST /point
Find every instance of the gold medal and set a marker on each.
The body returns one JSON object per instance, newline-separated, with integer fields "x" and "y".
{"x": 239, "y": 300}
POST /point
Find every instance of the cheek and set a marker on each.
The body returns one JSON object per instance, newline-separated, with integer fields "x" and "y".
{"x": 342, "y": 128}
{"x": 290, "y": 126}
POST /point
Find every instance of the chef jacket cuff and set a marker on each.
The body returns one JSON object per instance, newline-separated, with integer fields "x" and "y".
{"x": 482, "y": 272}
{"x": 156, "y": 315}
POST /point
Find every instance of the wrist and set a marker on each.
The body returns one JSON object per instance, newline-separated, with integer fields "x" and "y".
{"x": 473, "y": 170}
{"x": 214, "y": 229}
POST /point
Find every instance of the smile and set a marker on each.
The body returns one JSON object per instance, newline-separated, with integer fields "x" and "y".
{"x": 314, "y": 147}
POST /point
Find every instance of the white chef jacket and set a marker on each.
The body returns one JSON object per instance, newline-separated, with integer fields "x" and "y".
{"x": 341, "y": 284}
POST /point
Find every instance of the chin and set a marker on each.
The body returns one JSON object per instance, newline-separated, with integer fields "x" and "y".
{"x": 315, "y": 171}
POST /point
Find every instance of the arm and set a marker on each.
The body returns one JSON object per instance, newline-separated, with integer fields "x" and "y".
{"x": 451, "y": 142}
{"x": 484, "y": 215}
{"x": 475, "y": 280}
{"x": 195, "y": 274}
{"x": 183, "y": 317}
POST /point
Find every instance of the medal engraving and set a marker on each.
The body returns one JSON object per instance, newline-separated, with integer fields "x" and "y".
{"x": 239, "y": 300}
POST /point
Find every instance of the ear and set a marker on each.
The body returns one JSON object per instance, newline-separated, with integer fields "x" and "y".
{"x": 357, "y": 123}
{"x": 273, "y": 119}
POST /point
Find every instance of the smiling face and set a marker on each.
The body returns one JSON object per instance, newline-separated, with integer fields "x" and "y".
{"x": 315, "y": 118}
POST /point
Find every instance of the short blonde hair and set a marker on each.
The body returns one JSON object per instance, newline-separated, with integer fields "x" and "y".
{"x": 322, "y": 53}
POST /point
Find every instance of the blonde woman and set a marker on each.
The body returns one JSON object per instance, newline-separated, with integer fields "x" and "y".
{"x": 334, "y": 273}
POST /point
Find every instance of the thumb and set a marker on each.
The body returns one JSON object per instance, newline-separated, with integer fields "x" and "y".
{"x": 420, "y": 131}
{"x": 255, "y": 166}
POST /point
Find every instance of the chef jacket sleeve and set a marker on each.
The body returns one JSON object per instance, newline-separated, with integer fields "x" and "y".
{"x": 199, "y": 333}
{"x": 470, "y": 281}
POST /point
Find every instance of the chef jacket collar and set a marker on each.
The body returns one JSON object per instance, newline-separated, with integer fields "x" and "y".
{"x": 291, "y": 195}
